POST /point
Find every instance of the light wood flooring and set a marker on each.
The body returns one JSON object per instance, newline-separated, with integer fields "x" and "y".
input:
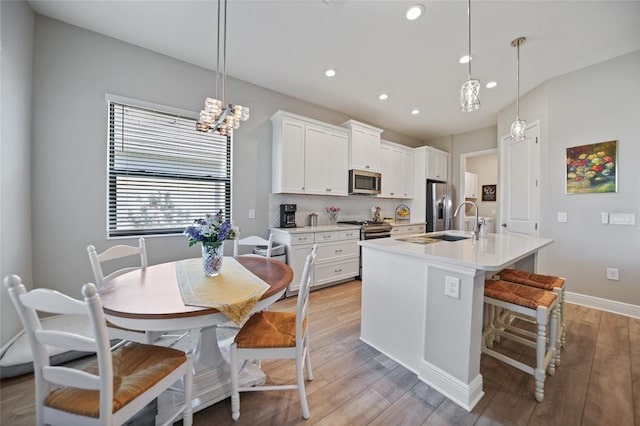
{"x": 597, "y": 383}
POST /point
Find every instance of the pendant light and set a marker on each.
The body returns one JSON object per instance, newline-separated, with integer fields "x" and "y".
{"x": 518, "y": 125}
{"x": 217, "y": 115}
{"x": 469, "y": 100}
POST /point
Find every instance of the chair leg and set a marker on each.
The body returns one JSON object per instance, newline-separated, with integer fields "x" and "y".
{"x": 187, "y": 416}
{"x": 540, "y": 371}
{"x": 235, "y": 393}
{"x": 307, "y": 359}
{"x": 300, "y": 379}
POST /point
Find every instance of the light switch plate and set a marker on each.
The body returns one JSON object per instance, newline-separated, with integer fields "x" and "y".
{"x": 562, "y": 216}
{"x": 604, "y": 217}
{"x": 622, "y": 218}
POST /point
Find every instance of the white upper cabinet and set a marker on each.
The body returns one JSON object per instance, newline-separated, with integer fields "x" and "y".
{"x": 397, "y": 170}
{"x": 437, "y": 164}
{"x": 308, "y": 156}
{"x": 470, "y": 185}
{"x": 364, "y": 150}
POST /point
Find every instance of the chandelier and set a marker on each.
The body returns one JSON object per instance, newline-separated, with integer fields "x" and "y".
{"x": 518, "y": 125}
{"x": 469, "y": 100}
{"x": 217, "y": 115}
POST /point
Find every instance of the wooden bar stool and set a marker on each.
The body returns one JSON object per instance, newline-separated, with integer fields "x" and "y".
{"x": 541, "y": 306}
{"x": 545, "y": 282}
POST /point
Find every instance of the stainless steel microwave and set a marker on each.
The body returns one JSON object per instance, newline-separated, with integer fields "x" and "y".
{"x": 364, "y": 182}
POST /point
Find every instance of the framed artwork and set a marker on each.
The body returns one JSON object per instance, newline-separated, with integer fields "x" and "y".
{"x": 489, "y": 192}
{"x": 592, "y": 168}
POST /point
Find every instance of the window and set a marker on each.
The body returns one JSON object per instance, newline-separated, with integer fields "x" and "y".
{"x": 163, "y": 173}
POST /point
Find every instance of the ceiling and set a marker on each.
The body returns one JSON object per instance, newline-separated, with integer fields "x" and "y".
{"x": 286, "y": 46}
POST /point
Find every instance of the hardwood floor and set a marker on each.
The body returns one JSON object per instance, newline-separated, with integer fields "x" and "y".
{"x": 597, "y": 383}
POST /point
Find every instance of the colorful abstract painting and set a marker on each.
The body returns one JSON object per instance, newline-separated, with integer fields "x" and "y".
{"x": 592, "y": 168}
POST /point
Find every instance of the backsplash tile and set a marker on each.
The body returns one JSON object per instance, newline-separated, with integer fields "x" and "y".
{"x": 353, "y": 207}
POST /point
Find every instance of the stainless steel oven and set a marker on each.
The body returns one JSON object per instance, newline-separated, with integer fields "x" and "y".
{"x": 370, "y": 231}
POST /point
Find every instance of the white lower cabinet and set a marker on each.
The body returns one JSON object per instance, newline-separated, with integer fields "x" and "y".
{"x": 414, "y": 228}
{"x": 337, "y": 255}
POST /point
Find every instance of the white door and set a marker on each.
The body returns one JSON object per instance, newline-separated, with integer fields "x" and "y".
{"x": 519, "y": 181}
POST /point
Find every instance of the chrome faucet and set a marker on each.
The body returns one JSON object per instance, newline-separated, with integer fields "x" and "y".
{"x": 476, "y": 228}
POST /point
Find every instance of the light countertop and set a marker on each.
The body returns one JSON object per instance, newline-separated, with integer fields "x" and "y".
{"x": 318, "y": 228}
{"x": 489, "y": 254}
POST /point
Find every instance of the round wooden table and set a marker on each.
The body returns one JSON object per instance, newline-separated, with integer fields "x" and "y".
{"x": 149, "y": 299}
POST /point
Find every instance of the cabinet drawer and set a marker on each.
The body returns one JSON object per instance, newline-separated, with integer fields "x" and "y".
{"x": 413, "y": 229}
{"x": 396, "y": 230}
{"x": 337, "y": 250}
{"x": 322, "y": 237}
{"x": 336, "y": 271}
{"x": 302, "y": 238}
{"x": 352, "y": 234}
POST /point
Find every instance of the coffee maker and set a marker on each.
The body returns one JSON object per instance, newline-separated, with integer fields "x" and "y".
{"x": 288, "y": 215}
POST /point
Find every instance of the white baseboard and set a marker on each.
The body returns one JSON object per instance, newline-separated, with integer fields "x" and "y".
{"x": 607, "y": 305}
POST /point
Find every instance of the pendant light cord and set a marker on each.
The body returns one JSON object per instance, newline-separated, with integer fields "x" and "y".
{"x": 469, "y": 25}
{"x": 224, "y": 70}
{"x": 518, "y": 80}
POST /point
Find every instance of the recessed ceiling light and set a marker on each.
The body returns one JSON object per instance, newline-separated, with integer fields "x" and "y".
{"x": 491, "y": 84}
{"x": 383, "y": 96}
{"x": 330, "y": 72}
{"x": 414, "y": 12}
{"x": 415, "y": 111}
{"x": 465, "y": 59}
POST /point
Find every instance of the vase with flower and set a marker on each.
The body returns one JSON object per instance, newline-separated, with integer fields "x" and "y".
{"x": 211, "y": 231}
{"x": 333, "y": 214}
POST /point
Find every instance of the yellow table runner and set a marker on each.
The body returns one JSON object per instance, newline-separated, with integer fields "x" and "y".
{"x": 233, "y": 292}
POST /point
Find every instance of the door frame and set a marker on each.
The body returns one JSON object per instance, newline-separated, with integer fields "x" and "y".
{"x": 462, "y": 169}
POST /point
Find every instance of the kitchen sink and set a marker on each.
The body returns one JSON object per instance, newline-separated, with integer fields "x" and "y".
{"x": 447, "y": 237}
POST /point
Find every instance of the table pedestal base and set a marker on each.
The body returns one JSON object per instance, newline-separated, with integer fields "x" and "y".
{"x": 212, "y": 378}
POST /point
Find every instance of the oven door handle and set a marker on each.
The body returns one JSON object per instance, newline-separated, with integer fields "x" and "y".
{"x": 373, "y": 236}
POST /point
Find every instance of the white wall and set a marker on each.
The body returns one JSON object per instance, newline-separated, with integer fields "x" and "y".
{"x": 595, "y": 104}
{"x": 16, "y": 33}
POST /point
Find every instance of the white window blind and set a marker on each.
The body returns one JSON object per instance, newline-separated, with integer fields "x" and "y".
{"x": 163, "y": 173}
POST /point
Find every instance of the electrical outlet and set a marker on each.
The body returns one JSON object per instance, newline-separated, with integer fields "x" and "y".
{"x": 613, "y": 274}
{"x": 452, "y": 287}
{"x": 252, "y": 214}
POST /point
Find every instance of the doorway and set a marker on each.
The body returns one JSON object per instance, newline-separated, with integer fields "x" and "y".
{"x": 483, "y": 165}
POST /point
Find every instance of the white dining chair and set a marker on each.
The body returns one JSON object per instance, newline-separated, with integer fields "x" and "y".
{"x": 113, "y": 387}
{"x": 252, "y": 240}
{"x": 116, "y": 253}
{"x": 276, "y": 335}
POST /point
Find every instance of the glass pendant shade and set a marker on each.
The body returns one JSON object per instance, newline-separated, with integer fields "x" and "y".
{"x": 517, "y": 129}
{"x": 469, "y": 100}
{"x": 217, "y": 115}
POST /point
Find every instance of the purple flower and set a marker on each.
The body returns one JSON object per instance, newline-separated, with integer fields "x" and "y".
{"x": 210, "y": 229}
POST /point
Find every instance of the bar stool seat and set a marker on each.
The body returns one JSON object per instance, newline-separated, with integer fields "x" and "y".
{"x": 541, "y": 306}
{"x": 545, "y": 282}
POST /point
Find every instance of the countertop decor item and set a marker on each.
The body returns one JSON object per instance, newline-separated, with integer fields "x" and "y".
{"x": 333, "y": 214}
{"x": 376, "y": 214}
{"x": 212, "y": 232}
{"x": 403, "y": 214}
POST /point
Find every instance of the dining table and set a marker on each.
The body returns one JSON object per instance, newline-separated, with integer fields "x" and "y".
{"x": 151, "y": 299}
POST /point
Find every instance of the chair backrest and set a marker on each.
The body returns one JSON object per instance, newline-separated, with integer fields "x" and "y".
{"x": 302, "y": 305}
{"x": 112, "y": 253}
{"x": 252, "y": 241}
{"x": 50, "y": 301}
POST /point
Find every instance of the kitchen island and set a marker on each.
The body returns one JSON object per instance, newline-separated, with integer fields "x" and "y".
{"x": 407, "y": 316}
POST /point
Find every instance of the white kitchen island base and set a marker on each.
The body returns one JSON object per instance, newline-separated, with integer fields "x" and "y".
{"x": 406, "y": 315}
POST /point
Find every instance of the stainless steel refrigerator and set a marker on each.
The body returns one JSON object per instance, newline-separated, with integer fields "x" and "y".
{"x": 439, "y": 206}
